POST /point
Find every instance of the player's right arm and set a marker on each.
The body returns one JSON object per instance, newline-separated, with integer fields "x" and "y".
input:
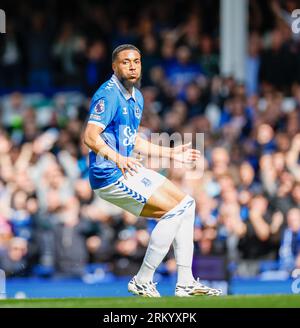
{"x": 94, "y": 141}
{"x": 102, "y": 112}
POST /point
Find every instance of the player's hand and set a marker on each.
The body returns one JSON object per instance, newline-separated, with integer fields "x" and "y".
{"x": 184, "y": 154}
{"x": 128, "y": 164}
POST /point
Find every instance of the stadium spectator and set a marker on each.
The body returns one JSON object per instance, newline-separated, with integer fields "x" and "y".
{"x": 11, "y": 59}
{"x": 38, "y": 45}
{"x": 259, "y": 242}
{"x": 277, "y": 68}
{"x": 93, "y": 66}
{"x": 13, "y": 260}
{"x": 290, "y": 245}
{"x": 208, "y": 58}
{"x": 253, "y": 64}
{"x": 65, "y": 49}
{"x": 183, "y": 71}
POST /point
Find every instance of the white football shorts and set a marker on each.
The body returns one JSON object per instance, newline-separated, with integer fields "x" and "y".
{"x": 131, "y": 194}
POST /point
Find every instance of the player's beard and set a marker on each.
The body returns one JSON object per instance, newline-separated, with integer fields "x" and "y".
{"x": 129, "y": 85}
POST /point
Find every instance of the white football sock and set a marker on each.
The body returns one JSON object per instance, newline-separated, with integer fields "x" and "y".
{"x": 184, "y": 246}
{"x": 161, "y": 239}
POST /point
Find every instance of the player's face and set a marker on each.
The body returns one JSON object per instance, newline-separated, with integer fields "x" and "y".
{"x": 127, "y": 66}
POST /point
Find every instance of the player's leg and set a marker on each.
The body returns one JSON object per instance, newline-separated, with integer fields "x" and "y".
{"x": 183, "y": 242}
{"x": 180, "y": 230}
{"x": 147, "y": 194}
{"x": 151, "y": 195}
{"x": 164, "y": 201}
{"x": 164, "y": 207}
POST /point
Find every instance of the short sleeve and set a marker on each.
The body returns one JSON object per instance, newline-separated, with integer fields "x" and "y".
{"x": 102, "y": 110}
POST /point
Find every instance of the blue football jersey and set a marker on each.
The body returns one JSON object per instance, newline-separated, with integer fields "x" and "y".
{"x": 119, "y": 114}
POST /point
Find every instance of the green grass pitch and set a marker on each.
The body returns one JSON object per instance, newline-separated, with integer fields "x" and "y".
{"x": 239, "y": 301}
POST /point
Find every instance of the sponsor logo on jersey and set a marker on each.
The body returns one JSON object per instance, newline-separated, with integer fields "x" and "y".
{"x": 130, "y": 136}
{"x": 125, "y": 111}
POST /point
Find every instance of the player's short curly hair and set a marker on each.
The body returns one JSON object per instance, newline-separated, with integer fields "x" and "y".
{"x": 121, "y": 48}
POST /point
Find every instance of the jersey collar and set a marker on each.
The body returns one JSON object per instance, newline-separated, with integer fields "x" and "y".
{"x": 124, "y": 92}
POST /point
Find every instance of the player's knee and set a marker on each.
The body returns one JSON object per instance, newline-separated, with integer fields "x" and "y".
{"x": 188, "y": 205}
{"x": 192, "y": 203}
{"x": 167, "y": 211}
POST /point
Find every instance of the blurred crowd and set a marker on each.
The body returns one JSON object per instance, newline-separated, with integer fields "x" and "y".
{"x": 248, "y": 200}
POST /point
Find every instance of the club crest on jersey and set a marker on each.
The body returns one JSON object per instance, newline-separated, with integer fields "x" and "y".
{"x": 100, "y": 106}
{"x": 137, "y": 112}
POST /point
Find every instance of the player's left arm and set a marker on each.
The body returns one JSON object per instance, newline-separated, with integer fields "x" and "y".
{"x": 181, "y": 153}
